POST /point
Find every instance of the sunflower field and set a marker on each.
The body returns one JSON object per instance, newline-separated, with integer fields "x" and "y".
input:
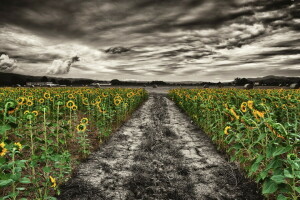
{"x": 259, "y": 129}
{"x": 45, "y": 132}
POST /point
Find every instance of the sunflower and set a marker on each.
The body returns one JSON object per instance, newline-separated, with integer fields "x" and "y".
{"x": 70, "y": 104}
{"x": 29, "y": 103}
{"x": 36, "y": 113}
{"x": 101, "y": 109}
{"x": 234, "y": 114}
{"x": 244, "y": 107}
{"x": 3, "y": 150}
{"x": 30, "y": 98}
{"x": 74, "y": 107}
{"x": 104, "y": 94}
{"x": 53, "y": 181}
{"x": 117, "y": 101}
{"x": 29, "y": 116}
{"x": 81, "y": 127}
{"x": 47, "y": 95}
{"x": 26, "y": 111}
{"x": 41, "y": 100}
{"x": 130, "y": 94}
{"x": 250, "y": 104}
{"x": 20, "y": 100}
{"x": 71, "y": 96}
{"x": 18, "y": 145}
{"x": 84, "y": 120}
{"x": 226, "y": 130}
{"x": 85, "y": 101}
{"x": 260, "y": 114}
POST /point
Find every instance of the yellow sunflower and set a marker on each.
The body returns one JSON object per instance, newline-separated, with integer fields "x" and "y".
{"x": 47, "y": 95}
{"x": 117, "y": 101}
{"x": 3, "y": 150}
{"x": 84, "y": 120}
{"x": 70, "y": 104}
{"x": 81, "y": 127}
{"x": 226, "y": 130}
{"x": 36, "y": 113}
{"x": 250, "y": 104}
{"x": 234, "y": 114}
{"x": 29, "y": 103}
{"x": 244, "y": 107}
{"x": 53, "y": 181}
{"x": 18, "y": 145}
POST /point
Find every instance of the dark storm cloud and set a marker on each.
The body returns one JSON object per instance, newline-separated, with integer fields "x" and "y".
{"x": 164, "y": 36}
{"x": 33, "y": 58}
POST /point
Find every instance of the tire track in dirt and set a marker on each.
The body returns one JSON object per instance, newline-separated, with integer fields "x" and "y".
{"x": 212, "y": 175}
{"x": 178, "y": 161}
{"x": 103, "y": 175}
{"x": 158, "y": 171}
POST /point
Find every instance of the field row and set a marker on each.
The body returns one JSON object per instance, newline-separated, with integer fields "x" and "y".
{"x": 258, "y": 128}
{"x": 44, "y": 132}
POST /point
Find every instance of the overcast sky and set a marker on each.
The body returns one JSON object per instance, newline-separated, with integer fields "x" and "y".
{"x": 171, "y": 40}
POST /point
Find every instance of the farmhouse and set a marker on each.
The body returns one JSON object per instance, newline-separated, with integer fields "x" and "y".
{"x": 41, "y": 84}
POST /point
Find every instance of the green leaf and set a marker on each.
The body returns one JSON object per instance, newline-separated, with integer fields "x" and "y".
{"x": 12, "y": 119}
{"x": 4, "y": 128}
{"x": 270, "y": 150}
{"x": 281, "y": 197}
{"x": 47, "y": 169}
{"x": 287, "y": 174}
{"x": 261, "y": 136}
{"x": 275, "y": 163}
{"x": 269, "y": 187}
{"x": 263, "y": 175}
{"x": 4, "y": 183}
{"x": 278, "y": 179}
{"x": 25, "y": 180}
{"x": 297, "y": 189}
{"x": 281, "y": 150}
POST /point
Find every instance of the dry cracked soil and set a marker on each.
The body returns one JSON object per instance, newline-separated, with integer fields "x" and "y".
{"x": 159, "y": 154}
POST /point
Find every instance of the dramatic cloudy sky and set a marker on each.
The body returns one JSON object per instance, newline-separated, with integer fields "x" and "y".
{"x": 171, "y": 40}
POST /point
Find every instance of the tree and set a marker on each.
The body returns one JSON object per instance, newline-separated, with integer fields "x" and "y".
{"x": 44, "y": 79}
{"x": 115, "y": 82}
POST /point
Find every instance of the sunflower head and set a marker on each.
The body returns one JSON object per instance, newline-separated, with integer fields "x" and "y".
{"x": 81, "y": 127}
{"x": 35, "y": 112}
{"x": 29, "y": 103}
{"x": 226, "y": 130}
{"x": 3, "y": 150}
{"x": 84, "y": 120}
{"x": 47, "y": 95}
{"x": 53, "y": 181}
{"x": 70, "y": 104}
{"x": 29, "y": 115}
{"x": 244, "y": 107}
{"x": 18, "y": 146}
{"x": 117, "y": 101}
{"x": 250, "y": 104}
{"x": 74, "y": 107}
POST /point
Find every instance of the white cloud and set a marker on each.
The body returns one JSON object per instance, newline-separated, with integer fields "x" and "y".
{"x": 61, "y": 67}
{"x": 7, "y": 64}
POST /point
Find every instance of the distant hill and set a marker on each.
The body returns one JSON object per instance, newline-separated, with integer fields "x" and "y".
{"x": 275, "y": 80}
{"x": 10, "y": 79}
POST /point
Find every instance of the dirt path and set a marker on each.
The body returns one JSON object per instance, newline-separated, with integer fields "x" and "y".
{"x": 158, "y": 154}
